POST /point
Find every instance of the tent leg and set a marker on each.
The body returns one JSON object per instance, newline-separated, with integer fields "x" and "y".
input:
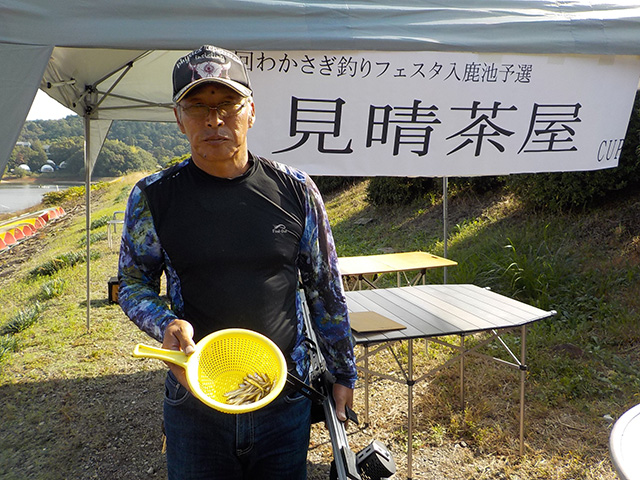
{"x": 87, "y": 184}
{"x": 445, "y": 215}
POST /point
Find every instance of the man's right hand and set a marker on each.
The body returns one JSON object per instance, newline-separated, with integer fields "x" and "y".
{"x": 179, "y": 336}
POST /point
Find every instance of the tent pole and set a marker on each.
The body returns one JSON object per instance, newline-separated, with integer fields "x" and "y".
{"x": 445, "y": 215}
{"x": 87, "y": 184}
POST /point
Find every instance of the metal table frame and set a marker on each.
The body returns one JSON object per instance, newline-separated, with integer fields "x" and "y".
{"x": 367, "y": 268}
{"x": 113, "y": 224}
{"x": 433, "y": 311}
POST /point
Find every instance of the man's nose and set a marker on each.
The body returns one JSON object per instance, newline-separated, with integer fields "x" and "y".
{"x": 214, "y": 117}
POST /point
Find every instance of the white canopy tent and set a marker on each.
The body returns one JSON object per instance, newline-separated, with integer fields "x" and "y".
{"x": 112, "y": 60}
{"x": 78, "y": 52}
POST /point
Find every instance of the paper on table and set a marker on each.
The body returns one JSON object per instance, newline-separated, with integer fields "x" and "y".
{"x": 362, "y": 322}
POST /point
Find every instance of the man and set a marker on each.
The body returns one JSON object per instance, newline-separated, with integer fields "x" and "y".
{"x": 233, "y": 233}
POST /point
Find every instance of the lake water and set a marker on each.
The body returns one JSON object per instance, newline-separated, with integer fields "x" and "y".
{"x": 18, "y": 196}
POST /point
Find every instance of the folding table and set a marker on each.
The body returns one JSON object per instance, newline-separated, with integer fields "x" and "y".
{"x": 360, "y": 267}
{"x": 433, "y": 311}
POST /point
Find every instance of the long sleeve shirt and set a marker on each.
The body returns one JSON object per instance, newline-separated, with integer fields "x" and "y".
{"x": 233, "y": 252}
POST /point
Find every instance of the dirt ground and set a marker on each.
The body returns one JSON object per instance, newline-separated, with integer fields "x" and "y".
{"x": 111, "y": 426}
{"x": 111, "y": 430}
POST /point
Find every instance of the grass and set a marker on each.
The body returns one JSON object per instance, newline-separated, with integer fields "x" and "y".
{"x": 60, "y": 380}
{"x": 22, "y": 320}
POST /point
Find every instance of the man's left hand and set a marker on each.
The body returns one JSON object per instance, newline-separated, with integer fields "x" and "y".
{"x": 342, "y": 396}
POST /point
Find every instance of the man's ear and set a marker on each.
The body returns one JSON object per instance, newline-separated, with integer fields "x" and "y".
{"x": 252, "y": 115}
{"x": 178, "y": 119}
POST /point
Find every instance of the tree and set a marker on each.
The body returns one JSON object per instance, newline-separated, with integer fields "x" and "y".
{"x": 62, "y": 150}
{"x": 117, "y": 158}
{"x": 37, "y": 156}
{"x": 33, "y": 155}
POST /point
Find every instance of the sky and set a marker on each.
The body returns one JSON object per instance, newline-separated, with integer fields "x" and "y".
{"x": 46, "y": 108}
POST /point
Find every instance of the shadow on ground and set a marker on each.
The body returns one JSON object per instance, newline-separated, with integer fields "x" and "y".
{"x": 95, "y": 428}
{"x": 106, "y": 428}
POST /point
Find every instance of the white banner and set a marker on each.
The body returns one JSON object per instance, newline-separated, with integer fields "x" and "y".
{"x": 431, "y": 114}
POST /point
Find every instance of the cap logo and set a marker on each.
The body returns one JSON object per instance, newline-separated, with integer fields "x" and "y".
{"x": 209, "y": 69}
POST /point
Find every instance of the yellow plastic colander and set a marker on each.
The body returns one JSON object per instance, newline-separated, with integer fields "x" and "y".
{"x": 220, "y": 362}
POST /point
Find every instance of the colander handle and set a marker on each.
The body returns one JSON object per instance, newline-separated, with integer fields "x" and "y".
{"x": 171, "y": 356}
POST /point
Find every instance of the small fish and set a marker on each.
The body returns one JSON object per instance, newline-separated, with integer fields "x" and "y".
{"x": 254, "y": 387}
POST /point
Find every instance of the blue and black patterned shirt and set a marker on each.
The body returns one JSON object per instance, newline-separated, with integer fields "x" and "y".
{"x": 233, "y": 252}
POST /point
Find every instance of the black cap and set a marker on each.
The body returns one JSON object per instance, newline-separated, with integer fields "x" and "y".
{"x": 210, "y": 64}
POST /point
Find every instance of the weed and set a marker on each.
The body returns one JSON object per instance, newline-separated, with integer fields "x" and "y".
{"x": 8, "y": 344}
{"x": 69, "y": 194}
{"x": 60, "y": 262}
{"x": 463, "y": 424}
{"x": 22, "y": 320}
{"x": 437, "y": 435}
{"x": 100, "y": 222}
{"x": 93, "y": 238}
{"x": 123, "y": 195}
{"x": 52, "y": 288}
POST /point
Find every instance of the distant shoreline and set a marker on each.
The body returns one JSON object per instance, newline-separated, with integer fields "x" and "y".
{"x": 48, "y": 181}
{"x": 20, "y": 180}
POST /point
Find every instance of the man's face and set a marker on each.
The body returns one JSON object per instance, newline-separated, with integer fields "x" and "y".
{"x": 216, "y": 139}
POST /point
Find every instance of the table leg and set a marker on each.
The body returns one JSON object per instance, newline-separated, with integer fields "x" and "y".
{"x": 462, "y": 365}
{"x": 523, "y": 373}
{"x": 410, "y": 411}
{"x": 366, "y": 385}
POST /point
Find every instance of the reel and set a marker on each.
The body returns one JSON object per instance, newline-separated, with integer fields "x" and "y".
{"x": 374, "y": 462}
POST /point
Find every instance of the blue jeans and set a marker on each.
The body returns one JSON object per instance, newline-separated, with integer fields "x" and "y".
{"x": 203, "y": 443}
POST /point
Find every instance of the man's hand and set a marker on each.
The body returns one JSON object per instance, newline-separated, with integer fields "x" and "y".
{"x": 179, "y": 336}
{"x": 342, "y": 396}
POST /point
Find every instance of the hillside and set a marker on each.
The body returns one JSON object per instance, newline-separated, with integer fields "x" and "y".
{"x": 147, "y": 135}
{"x": 76, "y": 405}
{"x": 130, "y": 146}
